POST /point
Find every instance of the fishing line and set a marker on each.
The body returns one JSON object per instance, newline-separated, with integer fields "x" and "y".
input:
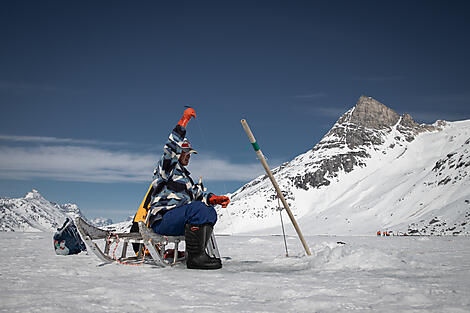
{"x": 210, "y": 163}
{"x": 282, "y": 225}
{"x": 282, "y": 222}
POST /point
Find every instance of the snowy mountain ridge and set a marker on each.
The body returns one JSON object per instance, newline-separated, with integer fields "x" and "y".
{"x": 101, "y": 222}
{"x": 374, "y": 170}
{"x": 33, "y": 213}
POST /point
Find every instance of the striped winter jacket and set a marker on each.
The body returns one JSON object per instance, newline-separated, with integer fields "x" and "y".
{"x": 172, "y": 184}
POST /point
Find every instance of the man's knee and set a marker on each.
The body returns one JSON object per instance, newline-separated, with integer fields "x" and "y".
{"x": 200, "y": 213}
{"x": 212, "y": 213}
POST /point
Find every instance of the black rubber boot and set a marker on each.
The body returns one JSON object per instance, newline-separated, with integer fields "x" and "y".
{"x": 196, "y": 237}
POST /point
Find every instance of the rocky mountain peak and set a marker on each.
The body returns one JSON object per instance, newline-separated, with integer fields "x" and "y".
{"x": 370, "y": 113}
{"x": 33, "y": 194}
{"x": 361, "y": 126}
{"x": 367, "y": 123}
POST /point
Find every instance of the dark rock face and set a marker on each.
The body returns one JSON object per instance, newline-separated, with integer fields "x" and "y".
{"x": 452, "y": 168}
{"x": 370, "y": 113}
{"x": 329, "y": 168}
{"x": 315, "y": 179}
{"x": 349, "y": 134}
{"x": 437, "y": 226}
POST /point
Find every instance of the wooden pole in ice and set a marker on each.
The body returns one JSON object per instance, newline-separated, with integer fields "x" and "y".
{"x": 273, "y": 181}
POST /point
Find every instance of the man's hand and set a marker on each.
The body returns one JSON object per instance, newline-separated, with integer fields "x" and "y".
{"x": 222, "y": 200}
{"x": 188, "y": 113}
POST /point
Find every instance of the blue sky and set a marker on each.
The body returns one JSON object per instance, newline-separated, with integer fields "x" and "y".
{"x": 90, "y": 90}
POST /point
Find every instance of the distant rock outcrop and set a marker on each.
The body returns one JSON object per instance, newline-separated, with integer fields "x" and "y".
{"x": 34, "y": 213}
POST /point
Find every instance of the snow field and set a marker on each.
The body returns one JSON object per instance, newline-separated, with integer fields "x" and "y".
{"x": 385, "y": 274}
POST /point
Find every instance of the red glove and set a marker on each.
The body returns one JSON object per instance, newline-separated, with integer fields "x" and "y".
{"x": 188, "y": 113}
{"x": 222, "y": 200}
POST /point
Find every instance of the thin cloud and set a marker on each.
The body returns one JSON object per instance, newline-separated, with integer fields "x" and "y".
{"x": 431, "y": 117}
{"x": 455, "y": 105}
{"x": 26, "y": 86}
{"x": 445, "y": 99}
{"x": 55, "y": 140}
{"x": 377, "y": 78}
{"x": 213, "y": 169}
{"x": 329, "y": 111}
{"x": 325, "y": 111}
{"x": 311, "y": 96}
{"x": 96, "y": 164}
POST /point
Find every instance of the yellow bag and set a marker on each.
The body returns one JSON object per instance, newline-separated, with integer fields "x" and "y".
{"x": 141, "y": 215}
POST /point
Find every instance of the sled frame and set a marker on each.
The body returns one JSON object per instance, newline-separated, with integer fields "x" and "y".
{"x": 146, "y": 238}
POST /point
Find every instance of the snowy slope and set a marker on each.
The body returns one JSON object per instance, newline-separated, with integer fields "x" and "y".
{"x": 101, "y": 222}
{"x": 34, "y": 213}
{"x": 374, "y": 170}
{"x": 121, "y": 227}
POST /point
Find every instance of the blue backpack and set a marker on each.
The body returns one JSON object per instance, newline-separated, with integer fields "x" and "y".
{"x": 67, "y": 240}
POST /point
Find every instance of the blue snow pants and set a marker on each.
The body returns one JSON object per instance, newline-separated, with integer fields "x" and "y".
{"x": 173, "y": 221}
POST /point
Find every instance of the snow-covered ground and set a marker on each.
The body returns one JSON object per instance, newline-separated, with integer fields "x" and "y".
{"x": 383, "y": 274}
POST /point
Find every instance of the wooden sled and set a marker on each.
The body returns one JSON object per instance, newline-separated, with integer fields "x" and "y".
{"x": 148, "y": 240}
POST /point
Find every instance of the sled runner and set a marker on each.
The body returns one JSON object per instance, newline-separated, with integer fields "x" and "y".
{"x": 146, "y": 238}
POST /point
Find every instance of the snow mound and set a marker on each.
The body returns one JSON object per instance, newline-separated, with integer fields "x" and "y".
{"x": 336, "y": 257}
{"x": 325, "y": 256}
{"x": 256, "y": 240}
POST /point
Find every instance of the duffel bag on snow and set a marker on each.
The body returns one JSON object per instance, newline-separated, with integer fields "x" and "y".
{"x": 67, "y": 240}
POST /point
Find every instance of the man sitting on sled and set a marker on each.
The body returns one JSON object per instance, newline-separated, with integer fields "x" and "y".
{"x": 179, "y": 206}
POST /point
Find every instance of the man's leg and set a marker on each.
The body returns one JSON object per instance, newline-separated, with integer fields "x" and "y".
{"x": 199, "y": 222}
{"x": 195, "y": 220}
{"x": 196, "y": 213}
{"x": 172, "y": 223}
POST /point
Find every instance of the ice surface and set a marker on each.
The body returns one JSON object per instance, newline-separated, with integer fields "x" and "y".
{"x": 383, "y": 274}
